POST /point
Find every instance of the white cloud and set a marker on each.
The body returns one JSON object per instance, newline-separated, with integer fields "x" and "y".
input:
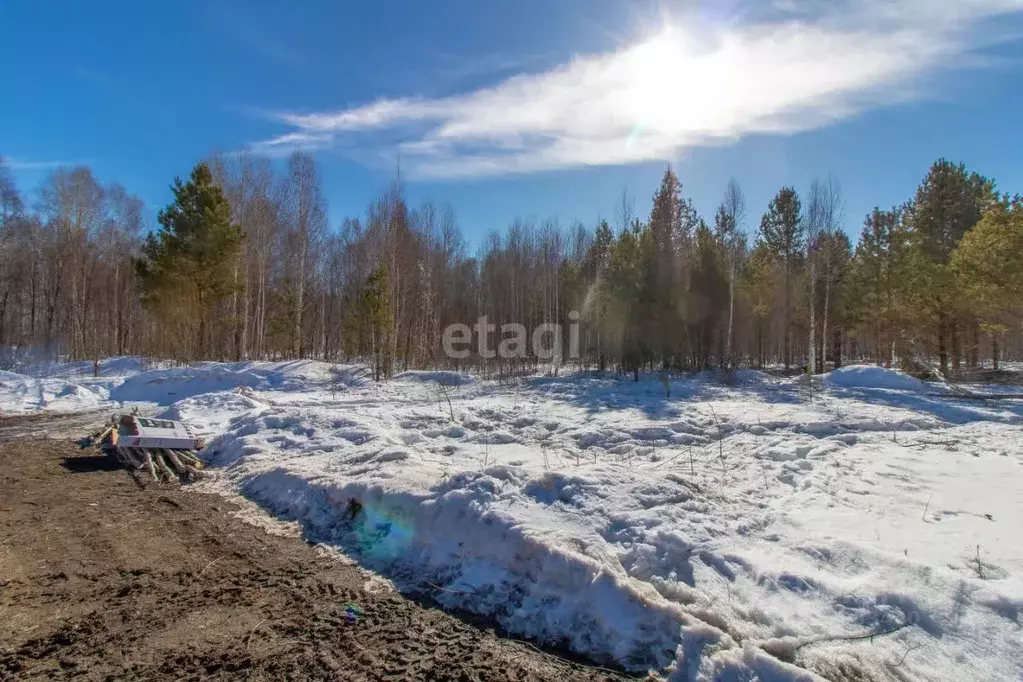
{"x": 282, "y": 145}
{"x": 21, "y": 164}
{"x": 692, "y": 83}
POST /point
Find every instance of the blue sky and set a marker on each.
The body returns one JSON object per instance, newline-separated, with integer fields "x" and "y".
{"x": 530, "y": 108}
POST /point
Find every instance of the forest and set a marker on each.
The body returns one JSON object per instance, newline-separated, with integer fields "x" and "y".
{"x": 244, "y": 264}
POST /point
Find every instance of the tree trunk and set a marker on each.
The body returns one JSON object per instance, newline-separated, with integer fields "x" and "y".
{"x": 942, "y": 341}
{"x": 323, "y": 323}
{"x": 201, "y": 345}
{"x": 973, "y": 356}
{"x": 811, "y": 364}
{"x": 836, "y": 347}
{"x": 879, "y": 342}
{"x": 234, "y": 311}
{"x": 994, "y": 351}
{"x": 824, "y": 325}
{"x": 956, "y": 350}
{"x": 117, "y": 307}
{"x": 300, "y": 302}
{"x": 243, "y": 335}
{"x": 730, "y": 361}
{"x": 787, "y": 340}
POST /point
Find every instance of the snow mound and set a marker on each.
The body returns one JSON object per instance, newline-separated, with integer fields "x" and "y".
{"x": 489, "y": 537}
{"x": 211, "y": 413}
{"x": 870, "y": 376}
{"x": 440, "y": 377}
{"x": 727, "y": 534}
{"x": 166, "y": 386}
{"x": 23, "y": 394}
{"x": 116, "y": 366}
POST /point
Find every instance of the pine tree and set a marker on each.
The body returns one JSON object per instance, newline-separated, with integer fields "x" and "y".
{"x": 707, "y": 293}
{"x": 188, "y": 261}
{"x": 879, "y": 279}
{"x": 375, "y": 317}
{"x": 988, "y": 263}
{"x": 627, "y": 306}
{"x": 948, "y": 203}
{"x": 782, "y": 230}
{"x": 662, "y": 277}
{"x": 595, "y": 302}
{"x": 760, "y": 283}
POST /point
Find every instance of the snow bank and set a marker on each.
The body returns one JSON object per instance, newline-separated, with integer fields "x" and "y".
{"x": 484, "y": 536}
{"x": 727, "y": 536}
{"x": 120, "y": 366}
{"x": 23, "y": 394}
{"x": 164, "y": 386}
{"x": 213, "y": 413}
{"x": 871, "y": 376}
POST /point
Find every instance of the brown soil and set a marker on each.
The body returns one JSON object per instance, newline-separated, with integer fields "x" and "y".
{"x": 101, "y": 578}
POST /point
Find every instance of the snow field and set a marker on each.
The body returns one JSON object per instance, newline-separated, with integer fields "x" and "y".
{"x": 732, "y": 532}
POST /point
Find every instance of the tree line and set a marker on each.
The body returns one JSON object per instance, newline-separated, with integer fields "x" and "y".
{"x": 244, "y": 265}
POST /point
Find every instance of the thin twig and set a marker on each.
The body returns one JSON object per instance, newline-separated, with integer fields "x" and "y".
{"x": 667, "y": 461}
{"x": 927, "y": 506}
{"x": 445, "y": 589}
{"x": 12, "y": 537}
{"x": 537, "y": 649}
{"x": 855, "y": 638}
{"x": 248, "y": 638}
{"x": 907, "y": 653}
{"x": 444, "y": 391}
{"x": 210, "y": 564}
{"x": 936, "y": 442}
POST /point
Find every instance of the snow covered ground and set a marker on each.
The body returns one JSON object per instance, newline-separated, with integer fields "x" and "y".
{"x": 730, "y": 532}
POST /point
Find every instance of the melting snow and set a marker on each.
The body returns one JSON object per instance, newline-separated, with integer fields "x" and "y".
{"x": 734, "y": 531}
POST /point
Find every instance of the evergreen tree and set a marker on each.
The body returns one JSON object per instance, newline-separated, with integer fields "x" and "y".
{"x": 835, "y": 252}
{"x": 988, "y": 262}
{"x": 599, "y": 256}
{"x": 662, "y": 274}
{"x": 188, "y": 261}
{"x": 879, "y": 279}
{"x": 595, "y": 302}
{"x": 627, "y": 305}
{"x": 708, "y": 293}
{"x": 948, "y": 203}
{"x": 781, "y": 228}
{"x": 760, "y": 283}
{"x": 374, "y": 315}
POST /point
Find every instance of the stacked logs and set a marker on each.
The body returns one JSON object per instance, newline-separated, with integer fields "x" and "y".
{"x": 162, "y": 464}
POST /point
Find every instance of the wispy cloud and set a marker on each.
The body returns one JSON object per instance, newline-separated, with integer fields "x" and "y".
{"x": 21, "y": 164}
{"x": 697, "y": 81}
{"x": 283, "y": 145}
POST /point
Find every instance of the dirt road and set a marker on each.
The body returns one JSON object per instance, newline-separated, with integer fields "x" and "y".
{"x": 101, "y": 579}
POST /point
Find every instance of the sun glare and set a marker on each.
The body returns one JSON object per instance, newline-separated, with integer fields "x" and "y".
{"x": 651, "y": 69}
